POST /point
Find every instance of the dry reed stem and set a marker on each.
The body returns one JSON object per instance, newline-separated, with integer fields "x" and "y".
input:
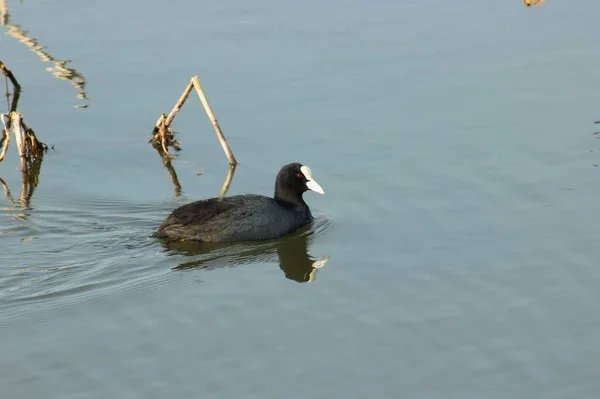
{"x": 28, "y": 146}
{"x": 162, "y": 130}
{"x": 16, "y": 87}
{"x": 179, "y": 104}
{"x": 7, "y": 72}
{"x": 30, "y": 149}
{"x": 5, "y": 138}
{"x": 16, "y": 121}
{"x": 163, "y": 137}
{"x": 214, "y": 121}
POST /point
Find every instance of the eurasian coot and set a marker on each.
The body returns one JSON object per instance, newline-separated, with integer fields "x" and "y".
{"x": 248, "y": 217}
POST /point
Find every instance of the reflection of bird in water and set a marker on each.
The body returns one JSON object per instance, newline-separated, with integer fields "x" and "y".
{"x": 295, "y": 261}
{"x": 292, "y": 251}
{"x": 59, "y": 70}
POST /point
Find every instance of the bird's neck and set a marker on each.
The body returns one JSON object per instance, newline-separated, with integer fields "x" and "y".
{"x": 290, "y": 200}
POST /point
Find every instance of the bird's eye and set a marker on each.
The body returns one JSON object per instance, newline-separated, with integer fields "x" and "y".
{"x": 300, "y": 176}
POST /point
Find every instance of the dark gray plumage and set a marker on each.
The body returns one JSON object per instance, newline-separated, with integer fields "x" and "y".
{"x": 246, "y": 217}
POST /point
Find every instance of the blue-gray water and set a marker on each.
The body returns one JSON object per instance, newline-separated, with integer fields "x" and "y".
{"x": 455, "y": 144}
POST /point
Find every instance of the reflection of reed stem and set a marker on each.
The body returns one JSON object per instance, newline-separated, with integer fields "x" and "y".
{"x": 3, "y": 13}
{"x": 227, "y": 182}
{"x": 60, "y": 69}
{"x": 30, "y": 178}
{"x": 7, "y": 193}
{"x": 174, "y": 179}
{"x": 533, "y": 3}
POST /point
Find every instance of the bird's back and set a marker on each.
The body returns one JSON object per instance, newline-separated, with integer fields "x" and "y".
{"x": 236, "y": 218}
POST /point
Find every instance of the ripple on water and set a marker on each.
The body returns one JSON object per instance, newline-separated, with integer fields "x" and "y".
{"x": 78, "y": 252}
{"x": 75, "y": 254}
{"x": 290, "y": 252}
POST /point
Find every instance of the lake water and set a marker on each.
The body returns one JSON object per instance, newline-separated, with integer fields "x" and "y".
{"x": 458, "y": 240}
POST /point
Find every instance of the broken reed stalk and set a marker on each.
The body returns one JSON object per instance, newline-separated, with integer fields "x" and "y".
{"x": 5, "y": 139}
{"x": 7, "y": 72}
{"x": 179, "y": 104}
{"x": 29, "y": 147}
{"x": 16, "y": 86}
{"x": 162, "y": 135}
{"x": 213, "y": 120}
{"x": 16, "y": 120}
{"x": 162, "y": 131}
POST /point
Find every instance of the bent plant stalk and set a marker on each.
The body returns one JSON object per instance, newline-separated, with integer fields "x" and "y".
{"x": 162, "y": 135}
{"x": 29, "y": 147}
{"x": 5, "y": 140}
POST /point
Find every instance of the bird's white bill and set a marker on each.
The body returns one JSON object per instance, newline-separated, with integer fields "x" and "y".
{"x": 311, "y": 183}
{"x": 314, "y": 186}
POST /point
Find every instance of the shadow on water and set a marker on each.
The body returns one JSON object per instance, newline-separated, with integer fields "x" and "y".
{"x": 291, "y": 252}
{"x": 60, "y": 68}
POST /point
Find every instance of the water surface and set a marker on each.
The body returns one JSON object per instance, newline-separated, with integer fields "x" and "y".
{"x": 454, "y": 255}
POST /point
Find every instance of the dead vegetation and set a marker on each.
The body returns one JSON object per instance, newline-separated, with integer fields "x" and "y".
{"x": 163, "y": 136}
{"x": 29, "y": 147}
